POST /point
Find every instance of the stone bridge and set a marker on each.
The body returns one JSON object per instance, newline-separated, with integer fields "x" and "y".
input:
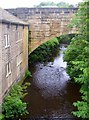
{"x": 45, "y": 23}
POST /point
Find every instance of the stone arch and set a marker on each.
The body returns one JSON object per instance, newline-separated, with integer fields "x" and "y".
{"x": 35, "y": 45}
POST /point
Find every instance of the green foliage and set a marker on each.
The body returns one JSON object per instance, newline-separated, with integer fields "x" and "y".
{"x": 13, "y": 106}
{"x": 82, "y": 109}
{"x": 60, "y": 4}
{"x": 1, "y": 117}
{"x": 77, "y": 57}
{"x": 43, "y": 52}
{"x": 28, "y": 74}
{"x": 64, "y": 5}
{"x": 66, "y": 39}
{"x": 45, "y": 4}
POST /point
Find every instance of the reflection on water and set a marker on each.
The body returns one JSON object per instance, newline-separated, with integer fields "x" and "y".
{"x": 51, "y": 93}
{"x": 59, "y": 59}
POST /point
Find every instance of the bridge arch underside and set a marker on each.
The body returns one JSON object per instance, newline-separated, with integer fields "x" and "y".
{"x": 65, "y": 38}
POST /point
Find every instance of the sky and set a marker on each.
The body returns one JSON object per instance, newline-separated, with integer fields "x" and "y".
{"x": 30, "y": 3}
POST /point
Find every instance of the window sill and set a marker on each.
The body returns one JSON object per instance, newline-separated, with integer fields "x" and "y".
{"x": 7, "y": 46}
{"x": 18, "y": 41}
{"x": 19, "y": 63}
{"x": 8, "y": 74}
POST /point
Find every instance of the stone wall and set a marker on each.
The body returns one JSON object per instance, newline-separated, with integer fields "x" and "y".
{"x": 16, "y": 53}
{"x": 0, "y": 64}
{"x": 45, "y": 23}
{"x": 23, "y": 13}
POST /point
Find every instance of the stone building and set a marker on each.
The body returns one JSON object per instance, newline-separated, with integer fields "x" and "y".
{"x": 13, "y": 50}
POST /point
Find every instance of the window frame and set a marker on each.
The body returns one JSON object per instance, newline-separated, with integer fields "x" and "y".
{"x": 19, "y": 59}
{"x": 7, "y": 40}
{"x": 8, "y": 69}
{"x": 19, "y": 37}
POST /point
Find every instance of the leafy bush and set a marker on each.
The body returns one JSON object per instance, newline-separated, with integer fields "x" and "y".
{"x": 77, "y": 57}
{"x": 1, "y": 117}
{"x": 43, "y": 52}
{"x": 13, "y": 106}
{"x": 66, "y": 39}
{"x": 28, "y": 74}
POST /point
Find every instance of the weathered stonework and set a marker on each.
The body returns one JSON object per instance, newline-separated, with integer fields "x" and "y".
{"x": 16, "y": 53}
{"x": 45, "y": 23}
{"x": 0, "y": 64}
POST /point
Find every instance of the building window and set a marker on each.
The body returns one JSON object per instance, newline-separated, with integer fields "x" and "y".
{"x": 19, "y": 59}
{"x": 8, "y": 69}
{"x": 16, "y": 27}
{"x": 23, "y": 26}
{"x": 8, "y": 26}
{"x": 18, "y": 36}
{"x": 6, "y": 37}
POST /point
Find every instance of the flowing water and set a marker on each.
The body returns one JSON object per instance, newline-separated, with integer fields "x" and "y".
{"x": 52, "y": 92}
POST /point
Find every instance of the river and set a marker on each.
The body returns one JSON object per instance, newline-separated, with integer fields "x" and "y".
{"x": 52, "y": 92}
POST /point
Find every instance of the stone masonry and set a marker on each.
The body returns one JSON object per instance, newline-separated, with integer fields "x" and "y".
{"x": 45, "y": 23}
{"x": 13, "y": 50}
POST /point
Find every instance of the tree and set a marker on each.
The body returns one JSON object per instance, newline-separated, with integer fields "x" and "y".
{"x": 77, "y": 56}
{"x": 60, "y": 4}
{"x": 42, "y": 4}
{"x": 64, "y": 5}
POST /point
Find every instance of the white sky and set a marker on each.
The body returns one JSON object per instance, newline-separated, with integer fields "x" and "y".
{"x": 30, "y": 3}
